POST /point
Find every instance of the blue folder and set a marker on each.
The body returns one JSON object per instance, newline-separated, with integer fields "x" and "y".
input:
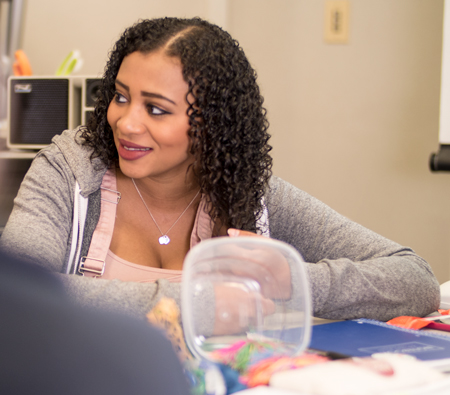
{"x": 360, "y": 338}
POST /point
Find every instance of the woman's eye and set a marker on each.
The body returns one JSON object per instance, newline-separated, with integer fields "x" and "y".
{"x": 153, "y": 110}
{"x": 119, "y": 98}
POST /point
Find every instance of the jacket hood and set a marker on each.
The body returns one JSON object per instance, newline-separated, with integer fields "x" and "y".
{"x": 87, "y": 172}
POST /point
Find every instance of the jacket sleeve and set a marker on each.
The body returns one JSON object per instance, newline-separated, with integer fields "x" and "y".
{"x": 131, "y": 298}
{"x": 353, "y": 272}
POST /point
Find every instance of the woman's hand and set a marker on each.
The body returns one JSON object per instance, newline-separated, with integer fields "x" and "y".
{"x": 238, "y": 309}
{"x": 271, "y": 261}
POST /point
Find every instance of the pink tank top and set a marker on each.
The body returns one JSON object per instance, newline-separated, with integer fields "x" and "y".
{"x": 100, "y": 262}
{"x": 118, "y": 268}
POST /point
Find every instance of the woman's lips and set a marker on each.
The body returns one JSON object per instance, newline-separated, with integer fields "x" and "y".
{"x": 131, "y": 151}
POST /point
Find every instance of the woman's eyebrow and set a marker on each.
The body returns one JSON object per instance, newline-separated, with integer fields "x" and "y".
{"x": 156, "y": 95}
{"x": 144, "y": 93}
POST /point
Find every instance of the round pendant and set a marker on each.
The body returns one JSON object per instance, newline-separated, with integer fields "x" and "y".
{"x": 164, "y": 240}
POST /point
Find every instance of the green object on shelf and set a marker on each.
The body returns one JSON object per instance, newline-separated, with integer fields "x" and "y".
{"x": 71, "y": 63}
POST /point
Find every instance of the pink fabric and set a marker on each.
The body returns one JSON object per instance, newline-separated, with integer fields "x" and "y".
{"x": 120, "y": 269}
{"x": 203, "y": 226}
{"x": 94, "y": 262}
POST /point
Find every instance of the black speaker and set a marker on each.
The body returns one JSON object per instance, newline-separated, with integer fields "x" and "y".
{"x": 90, "y": 88}
{"x": 41, "y": 107}
{"x": 38, "y": 109}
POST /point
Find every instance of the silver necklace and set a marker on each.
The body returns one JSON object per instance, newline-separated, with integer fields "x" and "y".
{"x": 164, "y": 239}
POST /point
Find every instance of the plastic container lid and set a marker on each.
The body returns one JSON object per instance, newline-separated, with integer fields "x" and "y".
{"x": 244, "y": 288}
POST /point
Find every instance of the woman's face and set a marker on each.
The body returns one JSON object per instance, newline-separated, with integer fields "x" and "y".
{"x": 148, "y": 117}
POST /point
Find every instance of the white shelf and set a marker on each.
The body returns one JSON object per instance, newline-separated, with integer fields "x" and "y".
{"x": 17, "y": 154}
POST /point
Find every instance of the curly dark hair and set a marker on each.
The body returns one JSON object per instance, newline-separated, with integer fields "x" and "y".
{"x": 228, "y": 124}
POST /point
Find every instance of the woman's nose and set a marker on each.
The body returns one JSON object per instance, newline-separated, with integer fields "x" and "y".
{"x": 131, "y": 121}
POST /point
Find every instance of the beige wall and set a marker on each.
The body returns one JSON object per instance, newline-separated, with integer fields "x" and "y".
{"x": 52, "y": 28}
{"x": 352, "y": 124}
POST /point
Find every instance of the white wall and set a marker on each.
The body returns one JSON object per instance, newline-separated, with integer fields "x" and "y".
{"x": 352, "y": 124}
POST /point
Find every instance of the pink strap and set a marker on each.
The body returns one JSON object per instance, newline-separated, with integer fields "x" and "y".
{"x": 203, "y": 226}
{"x": 93, "y": 265}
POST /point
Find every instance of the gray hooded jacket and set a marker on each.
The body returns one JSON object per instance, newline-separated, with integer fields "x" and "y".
{"x": 353, "y": 272}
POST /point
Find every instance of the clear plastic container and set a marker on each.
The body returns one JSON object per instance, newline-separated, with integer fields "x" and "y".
{"x": 236, "y": 289}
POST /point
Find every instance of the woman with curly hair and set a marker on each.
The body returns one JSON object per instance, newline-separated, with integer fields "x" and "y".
{"x": 177, "y": 152}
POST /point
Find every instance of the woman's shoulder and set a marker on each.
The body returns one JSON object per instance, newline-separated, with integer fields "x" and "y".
{"x": 280, "y": 187}
{"x": 281, "y": 193}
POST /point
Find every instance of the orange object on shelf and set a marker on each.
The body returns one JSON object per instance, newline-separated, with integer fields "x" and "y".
{"x": 21, "y": 67}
